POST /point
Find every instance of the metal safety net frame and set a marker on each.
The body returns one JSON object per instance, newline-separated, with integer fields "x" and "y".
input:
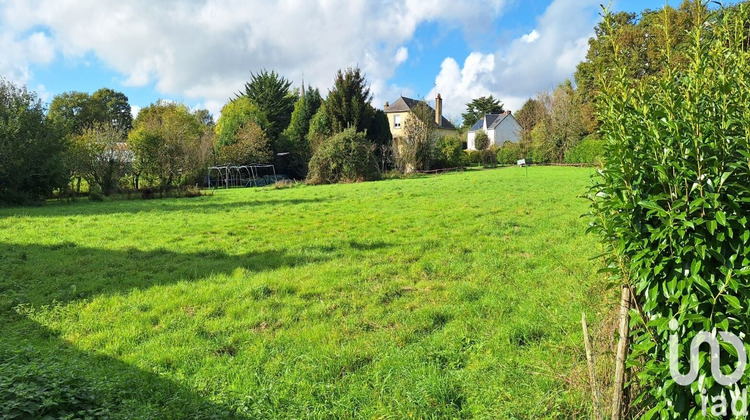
{"x": 252, "y": 175}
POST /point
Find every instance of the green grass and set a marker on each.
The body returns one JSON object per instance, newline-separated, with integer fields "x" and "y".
{"x": 452, "y": 296}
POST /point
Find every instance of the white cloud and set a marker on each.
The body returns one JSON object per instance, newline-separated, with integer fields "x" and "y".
{"x": 20, "y": 52}
{"x": 533, "y": 62}
{"x": 135, "y": 110}
{"x": 204, "y": 50}
{"x": 401, "y": 55}
{"x": 530, "y": 37}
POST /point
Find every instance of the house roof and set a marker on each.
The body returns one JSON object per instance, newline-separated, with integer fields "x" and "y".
{"x": 493, "y": 120}
{"x": 403, "y": 104}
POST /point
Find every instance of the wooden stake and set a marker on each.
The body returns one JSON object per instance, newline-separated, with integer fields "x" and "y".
{"x": 592, "y": 365}
{"x": 622, "y": 348}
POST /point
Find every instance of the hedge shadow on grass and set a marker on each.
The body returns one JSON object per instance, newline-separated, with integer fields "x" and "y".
{"x": 42, "y": 374}
{"x": 206, "y": 205}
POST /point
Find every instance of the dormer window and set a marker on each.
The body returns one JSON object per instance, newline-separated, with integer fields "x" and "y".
{"x": 396, "y": 121}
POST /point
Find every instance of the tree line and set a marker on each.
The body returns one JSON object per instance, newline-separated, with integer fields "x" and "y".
{"x": 92, "y": 139}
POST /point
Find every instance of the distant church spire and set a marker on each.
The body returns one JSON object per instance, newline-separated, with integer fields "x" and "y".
{"x": 303, "y": 85}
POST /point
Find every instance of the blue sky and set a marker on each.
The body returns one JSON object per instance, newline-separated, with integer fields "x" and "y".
{"x": 202, "y": 51}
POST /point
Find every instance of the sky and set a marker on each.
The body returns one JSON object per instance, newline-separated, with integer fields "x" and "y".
{"x": 201, "y": 52}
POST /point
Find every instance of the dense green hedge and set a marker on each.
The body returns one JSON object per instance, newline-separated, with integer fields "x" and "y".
{"x": 672, "y": 204}
{"x": 589, "y": 150}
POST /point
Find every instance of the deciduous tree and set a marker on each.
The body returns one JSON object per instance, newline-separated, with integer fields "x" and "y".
{"x": 169, "y": 142}
{"x": 101, "y": 156}
{"x": 31, "y": 148}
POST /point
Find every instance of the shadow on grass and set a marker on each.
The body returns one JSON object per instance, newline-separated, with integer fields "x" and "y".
{"x": 208, "y": 205}
{"x": 41, "y": 274}
{"x": 41, "y": 374}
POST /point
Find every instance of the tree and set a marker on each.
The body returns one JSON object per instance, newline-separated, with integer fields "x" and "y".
{"x": 112, "y": 107}
{"x": 345, "y": 157}
{"x": 415, "y": 150}
{"x": 380, "y": 135}
{"x": 320, "y": 128}
{"x": 75, "y": 112}
{"x": 294, "y": 138}
{"x": 71, "y": 112}
{"x": 235, "y": 115}
{"x": 270, "y": 93}
{"x": 552, "y": 124}
{"x": 348, "y": 103}
{"x": 169, "y": 143}
{"x": 31, "y": 147}
{"x": 647, "y": 45}
{"x": 565, "y": 120}
{"x": 250, "y": 146}
{"x": 478, "y": 108}
{"x": 101, "y": 156}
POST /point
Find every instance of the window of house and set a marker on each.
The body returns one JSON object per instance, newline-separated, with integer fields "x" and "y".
{"x": 396, "y": 121}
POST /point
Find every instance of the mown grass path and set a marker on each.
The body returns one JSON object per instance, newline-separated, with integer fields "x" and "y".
{"x": 446, "y": 296}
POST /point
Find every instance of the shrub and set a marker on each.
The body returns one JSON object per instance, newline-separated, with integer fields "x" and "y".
{"x": 509, "y": 153}
{"x": 95, "y": 193}
{"x": 489, "y": 156}
{"x": 448, "y": 152}
{"x": 473, "y": 157}
{"x": 672, "y": 205}
{"x": 481, "y": 140}
{"x": 589, "y": 150}
{"x": 347, "y": 156}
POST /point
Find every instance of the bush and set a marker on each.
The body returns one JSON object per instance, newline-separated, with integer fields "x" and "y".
{"x": 509, "y": 153}
{"x": 489, "y": 156}
{"x": 589, "y": 150}
{"x": 345, "y": 157}
{"x": 481, "y": 140}
{"x": 473, "y": 157}
{"x": 46, "y": 390}
{"x": 95, "y": 193}
{"x": 671, "y": 205}
{"x": 448, "y": 152}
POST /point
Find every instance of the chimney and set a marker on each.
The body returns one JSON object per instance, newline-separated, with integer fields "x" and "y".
{"x": 507, "y": 112}
{"x": 386, "y": 106}
{"x": 439, "y": 110}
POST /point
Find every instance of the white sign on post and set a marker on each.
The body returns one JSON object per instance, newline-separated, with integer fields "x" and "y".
{"x": 521, "y": 162}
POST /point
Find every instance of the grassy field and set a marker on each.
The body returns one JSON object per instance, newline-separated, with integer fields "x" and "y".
{"x": 452, "y": 296}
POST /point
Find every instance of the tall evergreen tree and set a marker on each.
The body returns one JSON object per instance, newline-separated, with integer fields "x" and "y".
{"x": 271, "y": 93}
{"x": 480, "y": 107}
{"x": 294, "y": 137}
{"x": 348, "y": 103}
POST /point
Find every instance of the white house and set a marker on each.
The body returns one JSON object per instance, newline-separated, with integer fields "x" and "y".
{"x": 499, "y": 128}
